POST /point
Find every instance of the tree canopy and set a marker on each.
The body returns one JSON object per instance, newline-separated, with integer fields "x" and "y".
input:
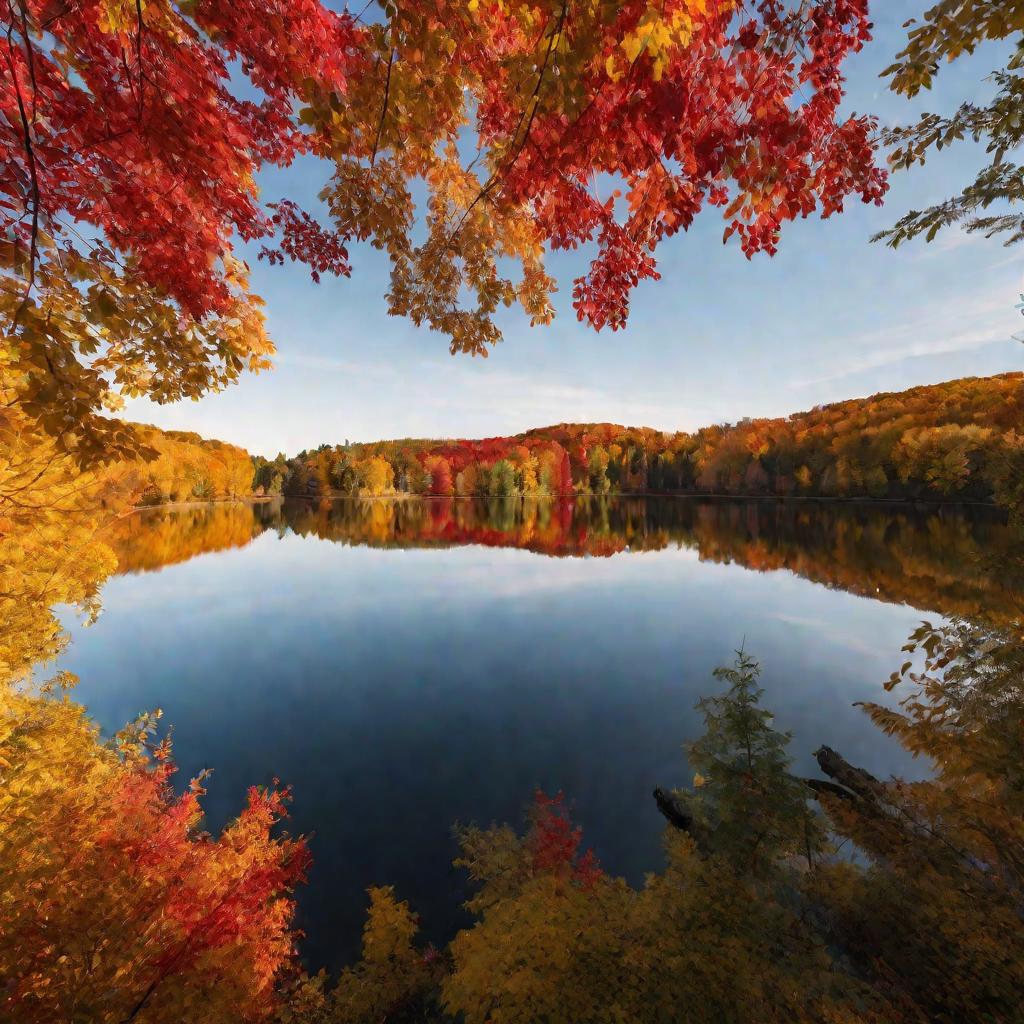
{"x": 132, "y": 134}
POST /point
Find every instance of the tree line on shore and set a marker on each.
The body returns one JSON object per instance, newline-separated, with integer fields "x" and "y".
{"x": 960, "y": 440}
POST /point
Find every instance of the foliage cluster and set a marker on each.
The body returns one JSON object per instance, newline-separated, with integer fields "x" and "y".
{"x": 115, "y": 905}
{"x": 189, "y": 467}
{"x": 131, "y": 149}
{"x": 51, "y": 552}
{"x": 948, "y": 30}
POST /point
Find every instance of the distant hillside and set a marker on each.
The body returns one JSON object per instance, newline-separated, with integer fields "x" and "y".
{"x": 187, "y": 468}
{"x": 962, "y": 440}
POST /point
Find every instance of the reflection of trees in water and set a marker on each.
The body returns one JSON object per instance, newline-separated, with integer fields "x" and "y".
{"x": 953, "y": 561}
{"x": 114, "y": 899}
{"x": 153, "y": 538}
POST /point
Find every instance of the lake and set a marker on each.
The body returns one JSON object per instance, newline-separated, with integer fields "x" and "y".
{"x": 405, "y": 665}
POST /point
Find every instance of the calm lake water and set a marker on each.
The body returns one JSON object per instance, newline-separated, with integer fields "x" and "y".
{"x": 405, "y": 665}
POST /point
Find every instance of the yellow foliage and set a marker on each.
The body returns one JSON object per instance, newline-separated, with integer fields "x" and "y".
{"x": 72, "y": 341}
{"x": 392, "y": 974}
{"x": 377, "y": 477}
{"x": 51, "y": 547}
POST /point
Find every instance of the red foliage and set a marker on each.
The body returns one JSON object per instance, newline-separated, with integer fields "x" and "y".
{"x": 440, "y": 471}
{"x": 565, "y": 473}
{"x": 214, "y": 901}
{"x": 554, "y": 843}
{"x": 122, "y": 119}
{"x": 136, "y": 133}
{"x": 727, "y": 112}
{"x": 305, "y": 241}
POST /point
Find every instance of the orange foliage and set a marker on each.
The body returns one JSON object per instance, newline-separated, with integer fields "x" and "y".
{"x": 116, "y": 904}
{"x": 955, "y": 441}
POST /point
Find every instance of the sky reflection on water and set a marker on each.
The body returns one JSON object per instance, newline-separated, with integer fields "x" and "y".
{"x": 402, "y": 689}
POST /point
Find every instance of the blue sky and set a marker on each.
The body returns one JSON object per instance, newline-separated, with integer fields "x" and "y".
{"x": 718, "y": 338}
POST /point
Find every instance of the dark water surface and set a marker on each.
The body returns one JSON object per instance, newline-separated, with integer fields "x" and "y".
{"x": 404, "y": 665}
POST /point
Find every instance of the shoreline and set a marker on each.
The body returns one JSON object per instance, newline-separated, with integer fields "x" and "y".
{"x": 927, "y": 503}
{"x": 251, "y": 499}
{"x": 830, "y": 500}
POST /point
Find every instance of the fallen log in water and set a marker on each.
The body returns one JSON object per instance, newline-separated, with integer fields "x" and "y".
{"x": 677, "y": 813}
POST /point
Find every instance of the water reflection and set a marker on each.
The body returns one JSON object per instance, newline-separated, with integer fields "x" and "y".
{"x": 398, "y": 693}
{"x": 952, "y": 560}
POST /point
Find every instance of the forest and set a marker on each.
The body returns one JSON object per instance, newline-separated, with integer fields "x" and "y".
{"x": 188, "y": 467}
{"x": 134, "y": 139}
{"x": 959, "y": 441}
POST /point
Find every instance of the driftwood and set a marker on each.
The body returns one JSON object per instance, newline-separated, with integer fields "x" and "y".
{"x": 674, "y": 809}
{"x": 851, "y": 784}
{"x": 895, "y": 825}
{"x": 858, "y": 781}
{"x": 823, "y": 786}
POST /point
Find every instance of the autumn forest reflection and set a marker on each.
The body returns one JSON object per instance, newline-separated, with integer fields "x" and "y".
{"x": 452, "y": 655}
{"x": 955, "y": 561}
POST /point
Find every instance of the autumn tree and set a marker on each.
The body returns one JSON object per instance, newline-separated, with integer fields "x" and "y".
{"x": 957, "y": 440}
{"x": 376, "y": 477}
{"x": 597, "y": 466}
{"x": 556, "y": 938}
{"x": 555, "y": 474}
{"x": 130, "y": 165}
{"x": 502, "y": 479}
{"x": 440, "y": 471}
{"x": 947, "y": 31}
{"x": 941, "y": 457}
{"x": 394, "y": 980}
{"x": 131, "y": 157}
{"x": 269, "y": 477}
{"x": 747, "y": 806}
{"x": 936, "y": 916}
{"x": 344, "y": 476}
{"x": 925, "y": 925}
{"x": 116, "y": 905}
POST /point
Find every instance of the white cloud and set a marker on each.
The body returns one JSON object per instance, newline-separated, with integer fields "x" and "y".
{"x": 944, "y": 326}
